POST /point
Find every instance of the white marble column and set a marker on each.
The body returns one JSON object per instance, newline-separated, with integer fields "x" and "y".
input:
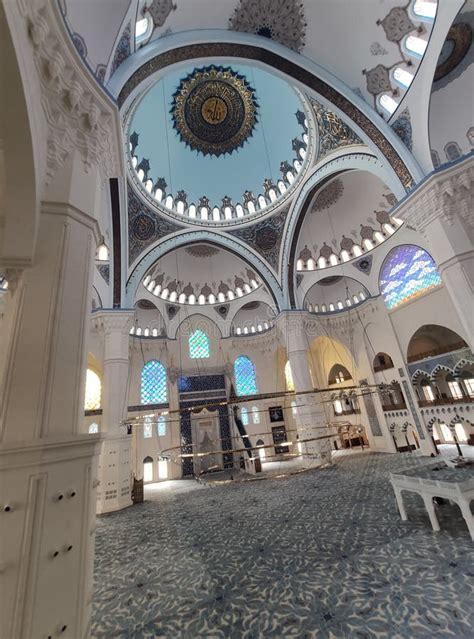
{"x": 311, "y": 419}
{"x": 47, "y": 467}
{"x": 114, "y": 491}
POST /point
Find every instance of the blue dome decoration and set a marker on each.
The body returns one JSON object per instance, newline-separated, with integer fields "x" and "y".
{"x": 214, "y": 110}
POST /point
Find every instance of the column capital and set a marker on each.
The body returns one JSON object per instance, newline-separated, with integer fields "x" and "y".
{"x": 444, "y": 195}
{"x": 113, "y": 321}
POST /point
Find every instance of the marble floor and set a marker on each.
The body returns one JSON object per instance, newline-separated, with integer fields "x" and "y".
{"x": 317, "y": 554}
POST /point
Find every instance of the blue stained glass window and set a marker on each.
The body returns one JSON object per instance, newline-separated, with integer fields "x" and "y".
{"x": 199, "y": 345}
{"x": 154, "y": 388}
{"x": 161, "y": 426}
{"x": 255, "y": 415}
{"x": 408, "y": 271}
{"x": 244, "y": 416}
{"x": 245, "y": 376}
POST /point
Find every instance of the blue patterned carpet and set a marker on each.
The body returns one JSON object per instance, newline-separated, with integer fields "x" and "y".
{"x": 320, "y": 554}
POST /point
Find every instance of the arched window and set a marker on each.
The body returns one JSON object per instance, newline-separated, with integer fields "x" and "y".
{"x": 148, "y": 469}
{"x": 460, "y": 433}
{"x": 255, "y": 415}
{"x": 93, "y": 428}
{"x": 153, "y": 387}
{"x": 407, "y": 272}
{"x": 468, "y": 379}
{"x": 290, "y": 385}
{"x": 245, "y": 376}
{"x": 447, "y": 435}
{"x": 338, "y": 374}
{"x": 244, "y": 416}
{"x": 147, "y": 428}
{"x": 453, "y": 151}
{"x": 93, "y": 391}
{"x": 294, "y": 408}
{"x": 454, "y": 387}
{"x": 199, "y": 347}
{"x": 261, "y": 451}
{"x": 161, "y": 426}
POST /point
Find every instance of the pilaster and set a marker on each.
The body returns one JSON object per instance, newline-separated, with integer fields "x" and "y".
{"x": 114, "y": 492}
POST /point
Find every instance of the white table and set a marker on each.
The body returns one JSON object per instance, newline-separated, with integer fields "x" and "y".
{"x": 456, "y": 484}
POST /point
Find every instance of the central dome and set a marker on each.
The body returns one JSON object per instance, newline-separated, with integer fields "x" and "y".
{"x": 214, "y": 110}
{"x": 217, "y": 144}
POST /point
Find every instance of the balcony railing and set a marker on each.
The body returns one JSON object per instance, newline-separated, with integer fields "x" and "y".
{"x": 422, "y": 403}
{"x": 390, "y": 407}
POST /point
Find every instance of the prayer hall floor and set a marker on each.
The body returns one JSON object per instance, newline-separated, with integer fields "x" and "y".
{"x": 318, "y": 554}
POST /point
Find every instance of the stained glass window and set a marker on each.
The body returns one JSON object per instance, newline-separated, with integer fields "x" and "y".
{"x": 147, "y": 427}
{"x": 93, "y": 428}
{"x": 255, "y": 415}
{"x": 199, "y": 345}
{"x": 245, "y": 376}
{"x": 408, "y": 271}
{"x": 161, "y": 426}
{"x": 154, "y": 388}
{"x": 244, "y": 416}
{"x": 290, "y": 385}
{"x": 294, "y": 408}
{"x": 93, "y": 391}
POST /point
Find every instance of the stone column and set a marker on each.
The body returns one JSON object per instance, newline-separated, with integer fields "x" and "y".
{"x": 442, "y": 210}
{"x": 311, "y": 418}
{"x": 114, "y": 491}
{"x": 47, "y": 467}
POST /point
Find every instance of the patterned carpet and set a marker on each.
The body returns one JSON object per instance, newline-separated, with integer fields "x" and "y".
{"x": 319, "y": 554}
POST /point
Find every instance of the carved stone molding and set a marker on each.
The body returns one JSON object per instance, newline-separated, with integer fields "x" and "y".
{"x": 110, "y": 321}
{"x": 79, "y": 115}
{"x": 446, "y": 194}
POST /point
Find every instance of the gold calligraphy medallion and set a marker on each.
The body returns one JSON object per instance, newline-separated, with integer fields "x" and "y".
{"x": 214, "y": 110}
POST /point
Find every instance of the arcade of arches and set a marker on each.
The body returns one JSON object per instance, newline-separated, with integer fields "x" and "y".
{"x": 234, "y": 245}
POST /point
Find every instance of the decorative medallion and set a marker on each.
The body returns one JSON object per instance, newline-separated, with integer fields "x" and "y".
{"x": 159, "y": 11}
{"x": 143, "y": 227}
{"x": 201, "y": 250}
{"x": 214, "y": 110}
{"x": 328, "y": 196}
{"x": 279, "y": 20}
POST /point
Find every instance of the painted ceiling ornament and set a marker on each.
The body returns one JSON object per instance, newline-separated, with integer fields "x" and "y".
{"x": 333, "y": 132}
{"x": 378, "y": 79}
{"x": 397, "y": 24}
{"x": 214, "y": 110}
{"x": 402, "y": 127}
{"x": 377, "y": 49}
{"x": 328, "y": 195}
{"x": 159, "y": 11}
{"x": 279, "y": 20}
{"x": 201, "y": 250}
{"x": 123, "y": 49}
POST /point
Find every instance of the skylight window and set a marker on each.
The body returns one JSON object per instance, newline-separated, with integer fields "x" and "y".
{"x": 416, "y": 45}
{"x": 141, "y": 27}
{"x": 403, "y": 77}
{"x": 388, "y": 103}
{"x": 425, "y": 8}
